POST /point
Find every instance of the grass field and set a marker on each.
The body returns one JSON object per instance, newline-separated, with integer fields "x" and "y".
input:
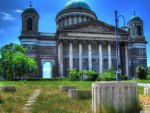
{"x": 50, "y": 99}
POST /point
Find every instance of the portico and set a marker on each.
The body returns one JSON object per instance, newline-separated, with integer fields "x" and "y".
{"x": 81, "y": 49}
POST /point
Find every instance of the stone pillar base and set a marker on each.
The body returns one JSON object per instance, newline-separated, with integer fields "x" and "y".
{"x": 146, "y": 90}
{"x": 113, "y": 94}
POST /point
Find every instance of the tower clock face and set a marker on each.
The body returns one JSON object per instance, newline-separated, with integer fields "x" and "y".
{"x": 141, "y": 51}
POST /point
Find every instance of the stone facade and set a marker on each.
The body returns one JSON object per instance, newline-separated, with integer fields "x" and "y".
{"x": 83, "y": 42}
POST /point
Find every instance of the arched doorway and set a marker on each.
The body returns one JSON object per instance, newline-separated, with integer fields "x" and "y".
{"x": 47, "y": 70}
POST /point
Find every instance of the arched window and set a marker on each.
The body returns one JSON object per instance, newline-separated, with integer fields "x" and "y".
{"x": 139, "y": 30}
{"x": 29, "y": 24}
{"x": 129, "y": 30}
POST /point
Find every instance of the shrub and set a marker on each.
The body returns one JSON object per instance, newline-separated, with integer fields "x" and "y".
{"x": 91, "y": 75}
{"x": 73, "y": 75}
{"x": 148, "y": 77}
{"x": 123, "y": 77}
{"x": 148, "y": 71}
{"x": 108, "y": 75}
{"x": 140, "y": 72}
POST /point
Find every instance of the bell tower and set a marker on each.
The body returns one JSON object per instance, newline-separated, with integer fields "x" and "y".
{"x": 30, "y": 20}
{"x": 137, "y": 45}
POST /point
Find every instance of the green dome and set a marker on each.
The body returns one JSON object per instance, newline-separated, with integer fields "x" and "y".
{"x": 30, "y": 9}
{"x": 135, "y": 18}
{"x": 73, "y": 4}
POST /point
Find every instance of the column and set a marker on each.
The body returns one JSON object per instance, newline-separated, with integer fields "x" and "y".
{"x": 100, "y": 58}
{"x": 89, "y": 55}
{"x": 70, "y": 55}
{"x": 80, "y": 19}
{"x": 109, "y": 55}
{"x": 127, "y": 60}
{"x": 80, "y": 55}
{"x": 60, "y": 58}
{"x": 75, "y": 19}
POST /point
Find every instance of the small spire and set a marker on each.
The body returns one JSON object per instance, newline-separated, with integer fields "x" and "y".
{"x": 30, "y": 4}
{"x": 134, "y": 13}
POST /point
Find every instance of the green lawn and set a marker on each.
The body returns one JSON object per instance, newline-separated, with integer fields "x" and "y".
{"x": 50, "y": 99}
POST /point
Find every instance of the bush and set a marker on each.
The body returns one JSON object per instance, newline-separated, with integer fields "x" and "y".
{"x": 109, "y": 75}
{"x": 140, "y": 72}
{"x": 148, "y": 77}
{"x": 148, "y": 71}
{"x": 123, "y": 77}
{"x": 73, "y": 75}
{"x": 91, "y": 75}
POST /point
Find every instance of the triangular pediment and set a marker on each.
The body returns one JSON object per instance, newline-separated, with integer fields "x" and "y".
{"x": 93, "y": 26}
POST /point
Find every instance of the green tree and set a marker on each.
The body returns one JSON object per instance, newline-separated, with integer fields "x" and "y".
{"x": 140, "y": 72}
{"x": 9, "y": 55}
{"x": 148, "y": 71}
{"x": 23, "y": 66}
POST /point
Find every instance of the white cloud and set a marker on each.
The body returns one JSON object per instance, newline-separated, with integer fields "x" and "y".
{"x": 18, "y": 11}
{"x": 6, "y": 16}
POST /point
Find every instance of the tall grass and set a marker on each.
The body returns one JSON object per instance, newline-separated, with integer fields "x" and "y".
{"x": 50, "y": 100}
{"x": 132, "y": 105}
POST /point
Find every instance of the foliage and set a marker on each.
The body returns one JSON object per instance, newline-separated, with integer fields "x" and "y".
{"x": 73, "y": 75}
{"x": 123, "y": 77}
{"x": 140, "y": 72}
{"x": 148, "y": 71}
{"x": 91, "y": 75}
{"x": 148, "y": 77}
{"x": 109, "y": 75}
{"x": 23, "y": 65}
{"x": 15, "y": 63}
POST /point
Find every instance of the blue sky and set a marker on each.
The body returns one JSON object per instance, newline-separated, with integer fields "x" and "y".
{"x": 10, "y": 15}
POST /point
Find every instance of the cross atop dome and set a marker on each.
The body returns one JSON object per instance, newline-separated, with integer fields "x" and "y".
{"x": 30, "y": 4}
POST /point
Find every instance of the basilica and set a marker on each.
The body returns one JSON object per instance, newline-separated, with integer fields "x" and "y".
{"x": 83, "y": 42}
